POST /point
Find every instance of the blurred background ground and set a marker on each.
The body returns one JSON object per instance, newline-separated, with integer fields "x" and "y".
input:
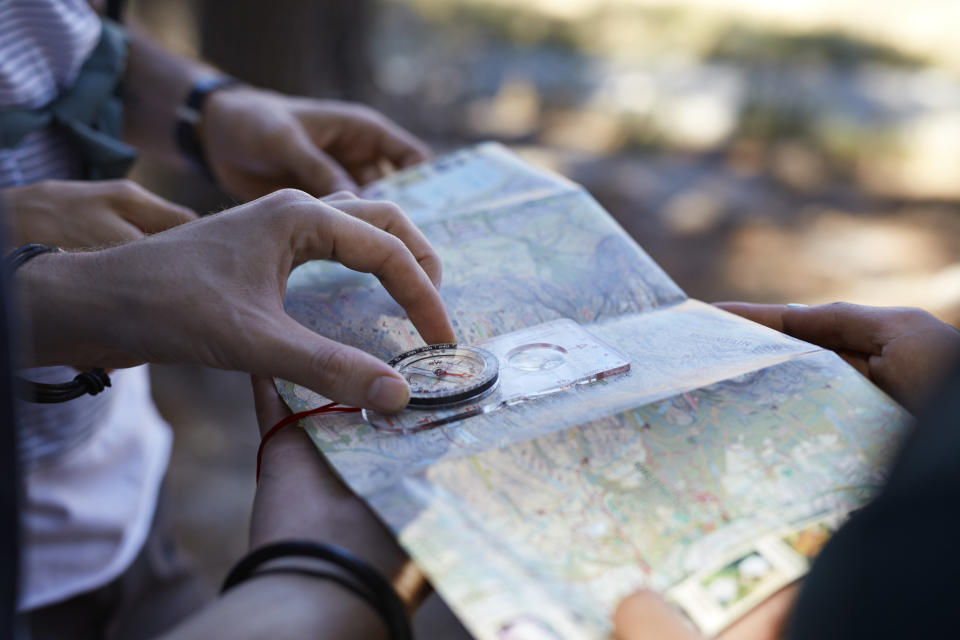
{"x": 767, "y": 151}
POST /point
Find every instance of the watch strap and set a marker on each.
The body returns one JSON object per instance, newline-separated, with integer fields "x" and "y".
{"x": 189, "y": 116}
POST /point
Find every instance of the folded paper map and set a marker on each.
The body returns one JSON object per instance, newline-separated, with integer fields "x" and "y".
{"x": 712, "y": 471}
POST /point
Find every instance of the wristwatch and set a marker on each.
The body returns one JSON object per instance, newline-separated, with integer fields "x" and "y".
{"x": 189, "y": 115}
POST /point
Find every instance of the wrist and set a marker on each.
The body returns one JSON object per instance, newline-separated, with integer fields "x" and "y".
{"x": 189, "y": 131}
{"x": 44, "y": 284}
{"x": 64, "y": 309}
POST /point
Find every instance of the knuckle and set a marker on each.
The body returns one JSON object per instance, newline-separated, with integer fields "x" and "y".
{"x": 291, "y": 205}
{"x": 287, "y": 197}
{"x": 127, "y": 188}
{"x": 395, "y": 247}
{"x": 841, "y": 309}
{"x": 342, "y": 194}
{"x": 914, "y": 316}
{"x": 371, "y": 116}
{"x": 395, "y": 255}
{"x": 431, "y": 263}
{"x": 362, "y": 110}
{"x": 393, "y": 207}
{"x": 839, "y": 306}
{"x": 390, "y": 212}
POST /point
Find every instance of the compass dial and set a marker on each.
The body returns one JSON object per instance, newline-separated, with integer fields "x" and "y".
{"x": 444, "y": 374}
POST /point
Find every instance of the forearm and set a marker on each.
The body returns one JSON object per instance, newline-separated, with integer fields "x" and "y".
{"x": 284, "y": 606}
{"x": 156, "y": 84}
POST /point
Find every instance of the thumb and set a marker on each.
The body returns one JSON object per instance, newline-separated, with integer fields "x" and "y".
{"x": 317, "y": 172}
{"x": 344, "y": 374}
{"x": 644, "y": 615}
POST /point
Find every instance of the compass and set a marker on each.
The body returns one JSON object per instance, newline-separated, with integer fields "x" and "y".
{"x": 446, "y": 374}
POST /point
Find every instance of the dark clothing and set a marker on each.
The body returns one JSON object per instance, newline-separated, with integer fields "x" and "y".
{"x": 90, "y": 113}
{"x": 893, "y": 571}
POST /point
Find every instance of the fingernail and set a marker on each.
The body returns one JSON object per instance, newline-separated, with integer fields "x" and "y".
{"x": 388, "y": 394}
{"x": 796, "y": 305}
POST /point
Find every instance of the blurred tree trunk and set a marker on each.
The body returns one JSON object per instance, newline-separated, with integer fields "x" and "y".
{"x": 306, "y": 47}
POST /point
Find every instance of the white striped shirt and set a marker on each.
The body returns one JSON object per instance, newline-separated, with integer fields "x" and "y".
{"x": 94, "y": 465}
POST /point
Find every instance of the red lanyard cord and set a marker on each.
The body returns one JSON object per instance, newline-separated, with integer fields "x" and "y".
{"x": 332, "y": 407}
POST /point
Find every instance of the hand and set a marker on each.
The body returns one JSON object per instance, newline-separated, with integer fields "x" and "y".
{"x": 211, "y": 292}
{"x": 75, "y": 214}
{"x": 300, "y": 497}
{"x": 392, "y": 219}
{"x": 904, "y": 351}
{"x": 258, "y": 141}
{"x": 644, "y": 615}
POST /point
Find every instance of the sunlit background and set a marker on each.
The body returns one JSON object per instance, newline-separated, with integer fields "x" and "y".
{"x": 775, "y": 151}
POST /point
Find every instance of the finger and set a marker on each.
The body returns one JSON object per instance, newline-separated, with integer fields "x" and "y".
{"x": 343, "y": 374}
{"x": 392, "y": 219}
{"x": 317, "y": 172}
{"x": 644, "y": 615}
{"x": 398, "y": 145}
{"x": 361, "y": 246}
{"x": 268, "y": 404}
{"x": 147, "y": 211}
{"x": 769, "y": 315}
{"x": 368, "y": 248}
{"x": 842, "y": 326}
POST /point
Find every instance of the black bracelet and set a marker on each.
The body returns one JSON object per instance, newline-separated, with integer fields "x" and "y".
{"x": 188, "y": 117}
{"x": 19, "y": 256}
{"x": 92, "y": 382}
{"x": 370, "y": 585}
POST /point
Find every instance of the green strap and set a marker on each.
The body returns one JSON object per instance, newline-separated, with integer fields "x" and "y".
{"x": 90, "y": 112}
